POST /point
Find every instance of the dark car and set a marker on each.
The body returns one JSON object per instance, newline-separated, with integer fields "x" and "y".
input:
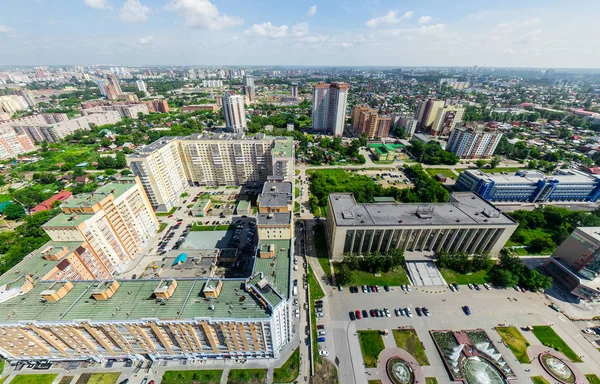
{"x": 387, "y": 288}
{"x": 124, "y": 381}
{"x": 425, "y": 311}
{"x": 419, "y": 312}
{"x": 374, "y": 288}
{"x": 352, "y": 317}
{"x": 320, "y": 326}
{"x": 372, "y": 312}
{"x": 467, "y": 310}
{"x": 369, "y": 289}
{"x": 365, "y": 313}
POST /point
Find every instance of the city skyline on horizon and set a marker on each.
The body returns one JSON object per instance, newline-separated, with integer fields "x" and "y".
{"x": 379, "y": 33}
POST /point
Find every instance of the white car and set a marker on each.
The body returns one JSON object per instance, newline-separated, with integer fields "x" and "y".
{"x": 408, "y": 288}
{"x": 403, "y": 287}
{"x": 409, "y": 312}
{"x": 297, "y": 312}
{"x": 323, "y": 353}
{"x": 452, "y": 288}
{"x": 487, "y": 286}
{"x": 471, "y": 286}
{"x": 387, "y": 312}
{"x": 320, "y": 314}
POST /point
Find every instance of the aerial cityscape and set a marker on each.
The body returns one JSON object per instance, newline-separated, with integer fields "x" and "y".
{"x": 379, "y": 192}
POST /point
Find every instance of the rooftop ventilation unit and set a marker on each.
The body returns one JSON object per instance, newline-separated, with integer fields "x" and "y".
{"x": 347, "y": 215}
{"x": 425, "y": 212}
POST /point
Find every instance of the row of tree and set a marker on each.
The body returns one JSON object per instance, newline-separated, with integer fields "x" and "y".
{"x": 431, "y": 153}
{"x": 373, "y": 263}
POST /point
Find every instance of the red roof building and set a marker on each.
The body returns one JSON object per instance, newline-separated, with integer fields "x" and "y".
{"x": 47, "y": 204}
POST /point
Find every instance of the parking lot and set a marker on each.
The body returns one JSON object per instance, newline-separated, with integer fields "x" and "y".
{"x": 488, "y": 309}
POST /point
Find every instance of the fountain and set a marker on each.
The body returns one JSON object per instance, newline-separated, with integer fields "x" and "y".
{"x": 557, "y": 368}
{"x": 399, "y": 371}
{"x": 471, "y": 356}
{"x": 481, "y": 371}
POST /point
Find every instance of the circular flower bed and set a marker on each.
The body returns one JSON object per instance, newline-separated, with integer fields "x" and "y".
{"x": 557, "y": 368}
{"x": 399, "y": 371}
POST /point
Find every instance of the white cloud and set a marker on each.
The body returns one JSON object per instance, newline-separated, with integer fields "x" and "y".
{"x": 97, "y": 4}
{"x": 202, "y": 14}
{"x": 529, "y": 37}
{"x": 390, "y": 18}
{"x": 5, "y": 29}
{"x": 425, "y": 19}
{"x": 312, "y": 10}
{"x": 146, "y": 40}
{"x": 300, "y": 29}
{"x": 509, "y": 27}
{"x": 133, "y": 11}
{"x": 268, "y": 30}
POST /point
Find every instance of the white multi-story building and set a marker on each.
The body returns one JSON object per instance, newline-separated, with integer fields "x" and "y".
{"x": 235, "y": 114}
{"x": 161, "y": 172}
{"x": 129, "y": 111}
{"x": 473, "y": 142}
{"x": 329, "y": 107}
{"x": 12, "y": 103}
{"x": 141, "y": 86}
{"x": 117, "y": 221}
{"x": 212, "y": 83}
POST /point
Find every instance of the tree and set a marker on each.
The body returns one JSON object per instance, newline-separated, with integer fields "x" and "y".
{"x": 542, "y": 244}
{"x": 14, "y": 211}
{"x": 120, "y": 160}
{"x": 504, "y": 278}
{"x": 495, "y": 161}
{"x": 535, "y": 280}
{"x": 480, "y": 163}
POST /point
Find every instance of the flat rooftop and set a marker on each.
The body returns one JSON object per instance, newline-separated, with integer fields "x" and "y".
{"x": 132, "y": 301}
{"x": 284, "y": 147}
{"x": 276, "y": 194}
{"x": 277, "y": 269}
{"x": 278, "y": 218}
{"x": 223, "y": 136}
{"x": 464, "y": 208}
{"x": 563, "y": 176}
{"x": 68, "y": 220}
{"x": 154, "y": 146}
{"x": 198, "y": 240}
{"x": 84, "y": 200}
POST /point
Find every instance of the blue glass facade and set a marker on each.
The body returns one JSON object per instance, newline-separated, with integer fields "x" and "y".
{"x": 526, "y": 190}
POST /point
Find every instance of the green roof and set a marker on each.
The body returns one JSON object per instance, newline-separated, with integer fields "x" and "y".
{"x": 68, "y": 220}
{"x": 284, "y": 147}
{"x": 276, "y": 270}
{"x": 132, "y": 301}
{"x": 4, "y": 205}
{"x": 384, "y": 199}
{"x": 35, "y": 265}
{"x": 243, "y": 205}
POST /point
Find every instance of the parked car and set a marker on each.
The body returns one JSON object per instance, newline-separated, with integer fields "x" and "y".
{"x": 418, "y": 310}
{"x": 471, "y": 287}
{"x": 365, "y": 314}
{"x": 425, "y": 311}
{"x": 323, "y": 353}
{"x": 387, "y": 288}
{"x": 320, "y": 339}
{"x": 408, "y": 312}
{"x": 357, "y": 313}
{"x": 352, "y": 317}
{"x": 487, "y": 286}
{"x": 467, "y": 310}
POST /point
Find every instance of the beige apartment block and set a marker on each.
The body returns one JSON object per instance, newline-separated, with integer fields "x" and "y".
{"x": 465, "y": 224}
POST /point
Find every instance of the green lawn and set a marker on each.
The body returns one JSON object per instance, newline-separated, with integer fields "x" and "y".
{"x": 34, "y": 379}
{"x": 98, "y": 378}
{"x": 451, "y": 276}
{"x": 66, "y": 380}
{"x": 431, "y": 380}
{"x": 516, "y": 342}
{"x": 316, "y": 293}
{"x": 593, "y": 379}
{"x": 246, "y": 376}
{"x": 502, "y": 169}
{"x": 444, "y": 171}
{"x": 371, "y": 344}
{"x": 204, "y": 228}
{"x": 395, "y": 277}
{"x": 161, "y": 227}
{"x": 296, "y": 192}
{"x": 172, "y": 211}
{"x": 297, "y": 207}
{"x": 321, "y": 249}
{"x": 539, "y": 380}
{"x": 549, "y": 338}
{"x": 408, "y": 340}
{"x": 288, "y": 372}
{"x": 192, "y": 377}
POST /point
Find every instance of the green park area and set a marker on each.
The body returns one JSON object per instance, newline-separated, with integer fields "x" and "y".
{"x": 408, "y": 340}
{"x": 516, "y": 342}
{"x": 592, "y": 379}
{"x": 34, "y": 379}
{"x": 394, "y": 277}
{"x": 289, "y": 371}
{"x": 247, "y": 376}
{"x": 477, "y": 277}
{"x": 98, "y": 378}
{"x": 444, "y": 171}
{"x": 547, "y": 336}
{"x": 539, "y": 380}
{"x": 192, "y": 377}
{"x": 371, "y": 345}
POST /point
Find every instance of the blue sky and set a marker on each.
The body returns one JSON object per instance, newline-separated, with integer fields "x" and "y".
{"x": 534, "y": 33}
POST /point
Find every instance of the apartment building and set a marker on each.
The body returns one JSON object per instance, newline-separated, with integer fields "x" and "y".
{"x": 565, "y": 185}
{"x": 437, "y": 117}
{"x": 14, "y": 143}
{"x": 282, "y": 156}
{"x": 473, "y": 142}
{"x": 575, "y": 264}
{"x": 163, "y": 319}
{"x": 117, "y": 221}
{"x": 212, "y": 83}
{"x": 226, "y": 159}
{"x": 130, "y": 111}
{"x": 466, "y": 223}
{"x": 329, "y": 107}
{"x": 160, "y": 170}
{"x": 294, "y": 90}
{"x": 367, "y": 121}
{"x": 235, "y": 113}
{"x": 274, "y": 218}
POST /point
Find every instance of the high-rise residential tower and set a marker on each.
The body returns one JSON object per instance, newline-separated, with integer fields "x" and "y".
{"x": 249, "y": 88}
{"x": 329, "y": 107}
{"x": 295, "y": 90}
{"x": 141, "y": 86}
{"x": 235, "y": 114}
{"x": 473, "y": 142}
